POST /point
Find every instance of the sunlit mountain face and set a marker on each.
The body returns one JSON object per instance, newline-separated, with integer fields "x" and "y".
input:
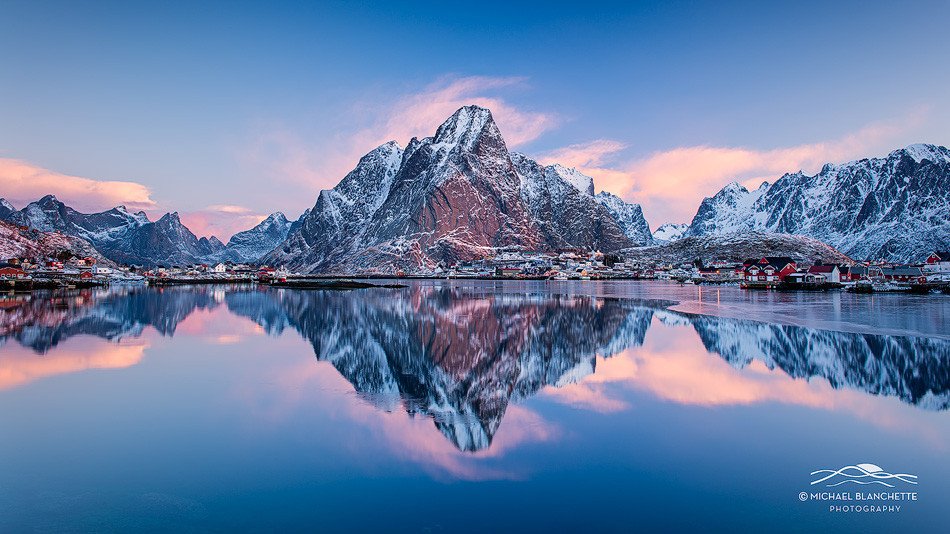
{"x": 463, "y": 355}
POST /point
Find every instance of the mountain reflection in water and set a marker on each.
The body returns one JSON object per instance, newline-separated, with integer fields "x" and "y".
{"x": 461, "y": 355}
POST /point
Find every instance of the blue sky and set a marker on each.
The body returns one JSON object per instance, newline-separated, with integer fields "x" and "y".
{"x": 226, "y": 112}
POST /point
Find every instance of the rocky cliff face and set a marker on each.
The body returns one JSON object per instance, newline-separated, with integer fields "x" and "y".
{"x": 455, "y": 196}
{"x": 895, "y": 208}
{"x": 563, "y": 205}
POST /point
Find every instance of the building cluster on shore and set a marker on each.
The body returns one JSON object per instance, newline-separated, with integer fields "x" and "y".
{"x": 75, "y": 271}
{"x": 767, "y": 272}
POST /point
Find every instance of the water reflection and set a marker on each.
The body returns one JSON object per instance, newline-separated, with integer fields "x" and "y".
{"x": 462, "y": 356}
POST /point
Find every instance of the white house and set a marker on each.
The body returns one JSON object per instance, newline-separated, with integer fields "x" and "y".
{"x": 219, "y": 268}
{"x": 98, "y": 269}
{"x": 830, "y": 272}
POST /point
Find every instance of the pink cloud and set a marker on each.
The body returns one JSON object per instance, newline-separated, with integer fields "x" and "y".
{"x": 585, "y": 155}
{"x": 670, "y": 184}
{"x": 24, "y": 182}
{"x": 290, "y": 157}
{"x": 222, "y": 221}
{"x": 418, "y": 115}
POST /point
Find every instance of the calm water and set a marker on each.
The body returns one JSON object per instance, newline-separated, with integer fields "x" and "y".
{"x": 468, "y": 406}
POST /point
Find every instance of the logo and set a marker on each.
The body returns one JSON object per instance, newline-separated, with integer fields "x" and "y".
{"x": 862, "y": 474}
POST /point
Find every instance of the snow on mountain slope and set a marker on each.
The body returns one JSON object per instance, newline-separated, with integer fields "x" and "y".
{"x": 727, "y": 211}
{"x": 132, "y": 238}
{"x": 40, "y": 245}
{"x": 895, "y": 208}
{"x": 250, "y": 245}
{"x": 5, "y": 209}
{"x": 629, "y": 217}
{"x": 563, "y": 205}
{"x": 669, "y": 232}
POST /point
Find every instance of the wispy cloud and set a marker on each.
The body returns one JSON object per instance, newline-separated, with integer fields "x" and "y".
{"x": 670, "y": 184}
{"x": 592, "y": 154}
{"x": 419, "y": 114}
{"x": 22, "y": 182}
{"x": 282, "y": 153}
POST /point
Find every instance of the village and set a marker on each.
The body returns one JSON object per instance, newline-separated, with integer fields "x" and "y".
{"x": 768, "y": 272}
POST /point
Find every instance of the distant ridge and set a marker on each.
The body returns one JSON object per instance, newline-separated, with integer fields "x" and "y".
{"x": 895, "y": 208}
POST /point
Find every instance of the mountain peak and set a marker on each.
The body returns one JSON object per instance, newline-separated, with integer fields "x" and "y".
{"x": 733, "y": 187}
{"x": 170, "y": 218}
{"x": 48, "y": 199}
{"x": 466, "y": 125}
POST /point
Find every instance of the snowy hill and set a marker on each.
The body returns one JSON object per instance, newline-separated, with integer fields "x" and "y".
{"x": 39, "y": 245}
{"x": 737, "y": 247}
{"x": 895, "y": 208}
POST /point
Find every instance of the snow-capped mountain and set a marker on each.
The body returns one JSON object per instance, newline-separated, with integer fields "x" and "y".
{"x": 250, "y": 245}
{"x": 895, "y": 208}
{"x": 164, "y": 242}
{"x": 669, "y": 232}
{"x": 132, "y": 238}
{"x": 49, "y": 214}
{"x": 457, "y": 195}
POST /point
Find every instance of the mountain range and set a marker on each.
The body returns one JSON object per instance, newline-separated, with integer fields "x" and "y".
{"x": 131, "y": 238}
{"x": 462, "y": 195}
{"x": 895, "y": 208}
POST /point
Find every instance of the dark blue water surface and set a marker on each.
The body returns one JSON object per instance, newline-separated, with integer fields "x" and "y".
{"x": 468, "y": 405}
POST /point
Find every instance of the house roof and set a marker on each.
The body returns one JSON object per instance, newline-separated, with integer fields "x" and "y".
{"x": 822, "y": 268}
{"x": 944, "y": 256}
{"x": 779, "y": 262}
{"x": 902, "y": 271}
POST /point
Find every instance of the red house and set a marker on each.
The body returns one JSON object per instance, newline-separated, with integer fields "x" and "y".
{"x": 12, "y": 272}
{"x": 770, "y": 269}
{"x": 904, "y": 273}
